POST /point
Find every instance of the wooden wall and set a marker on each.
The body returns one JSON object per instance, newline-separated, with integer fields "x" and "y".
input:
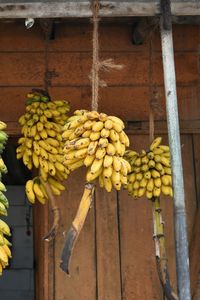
{"x": 114, "y": 257}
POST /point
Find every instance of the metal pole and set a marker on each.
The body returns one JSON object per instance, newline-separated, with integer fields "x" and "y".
{"x": 182, "y": 258}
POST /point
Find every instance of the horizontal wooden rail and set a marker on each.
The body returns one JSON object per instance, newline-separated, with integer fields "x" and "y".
{"x": 81, "y": 9}
{"x": 132, "y": 127}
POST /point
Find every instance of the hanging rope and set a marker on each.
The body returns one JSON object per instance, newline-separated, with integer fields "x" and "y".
{"x": 97, "y": 65}
{"x": 95, "y": 57}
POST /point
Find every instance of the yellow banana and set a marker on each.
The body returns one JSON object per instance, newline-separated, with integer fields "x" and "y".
{"x": 101, "y": 181}
{"x": 103, "y": 142}
{"x": 43, "y": 174}
{"x": 105, "y": 133}
{"x": 52, "y": 142}
{"x": 124, "y": 138}
{"x": 59, "y": 166}
{"x": 76, "y": 165}
{"x": 81, "y": 153}
{"x": 108, "y": 124}
{"x": 107, "y": 184}
{"x": 107, "y": 172}
{"x": 37, "y": 190}
{"x": 150, "y": 185}
{"x": 114, "y": 136}
{"x": 164, "y": 148}
{"x": 155, "y": 143}
{"x": 116, "y": 120}
{"x": 40, "y": 126}
{"x": 149, "y": 194}
{"x": 3, "y": 255}
{"x": 51, "y": 169}
{"x": 143, "y": 182}
{"x": 157, "y": 182}
{"x": 110, "y": 149}
{"x": 90, "y": 176}
{"x": 94, "y": 136}
{"x": 100, "y": 153}
{"x": 108, "y": 160}
{"x": 139, "y": 176}
{"x": 141, "y": 192}
{"x": 156, "y": 191}
{"x": 4, "y": 228}
{"x": 132, "y": 178}
{"x": 86, "y": 134}
{"x": 165, "y": 161}
{"x": 151, "y": 164}
{"x": 97, "y": 126}
{"x": 56, "y": 184}
{"x": 7, "y": 250}
{"x": 116, "y": 163}
{"x": 92, "y": 147}
{"x": 96, "y": 165}
{"x": 155, "y": 174}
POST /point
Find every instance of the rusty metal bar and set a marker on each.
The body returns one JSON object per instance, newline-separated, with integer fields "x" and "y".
{"x": 182, "y": 258}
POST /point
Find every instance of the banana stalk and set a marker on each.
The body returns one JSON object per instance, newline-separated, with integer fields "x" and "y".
{"x": 76, "y": 227}
{"x": 161, "y": 257}
{"x": 55, "y": 210}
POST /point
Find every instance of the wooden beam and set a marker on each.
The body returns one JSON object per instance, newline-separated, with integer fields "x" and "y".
{"x": 81, "y": 9}
{"x": 132, "y": 127}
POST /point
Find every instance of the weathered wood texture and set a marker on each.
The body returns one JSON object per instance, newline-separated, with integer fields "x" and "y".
{"x": 77, "y": 9}
{"x": 114, "y": 257}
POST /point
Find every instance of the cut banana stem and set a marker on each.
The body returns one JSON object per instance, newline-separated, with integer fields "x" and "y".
{"x": 76, "y": 227}
{"x": 161, "y": 257}
{"x": 55, "y": 210}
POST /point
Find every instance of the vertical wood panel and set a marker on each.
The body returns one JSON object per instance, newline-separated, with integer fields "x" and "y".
{"x": 189, "y": 181}
{"x": 108, "y": 260}
{"x": 195, "y": 241}
{"x": 82, "y": 282}
{"x": 139, "y": 277}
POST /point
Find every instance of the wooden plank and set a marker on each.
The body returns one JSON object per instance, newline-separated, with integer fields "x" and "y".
{"x": 24, "y": 69}
{"x": 82, "y": 282}
{"x": 127, "y": 99}
{"x": 137, "y": 127}
{"x": 195, "y": 243}
{"x": 71, "y": 36}
{"x": 189, "y": 181}
{"x": 70, "y": 9}
{"x": 133, "y": 97}
{"x": 139, "y": 276}
{"x": 181, "y": 33}
{"x": 108, "y": 255}
{"x": 186, "y": 65}
{"x": 133, "y": 127}
{"x": 73, "y": 69}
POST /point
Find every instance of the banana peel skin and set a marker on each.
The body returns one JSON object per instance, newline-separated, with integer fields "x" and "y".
{"x": 76, "y": 227}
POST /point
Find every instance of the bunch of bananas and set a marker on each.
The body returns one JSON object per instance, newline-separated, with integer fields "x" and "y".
{"x": 41, "y": 145}
{"x": 36, "y": 189}
{"x": 3, "y": 136}
{"x": 5, "y": 252}
{"x": 97, "y": 141}
{"x": 150, "y": 171}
